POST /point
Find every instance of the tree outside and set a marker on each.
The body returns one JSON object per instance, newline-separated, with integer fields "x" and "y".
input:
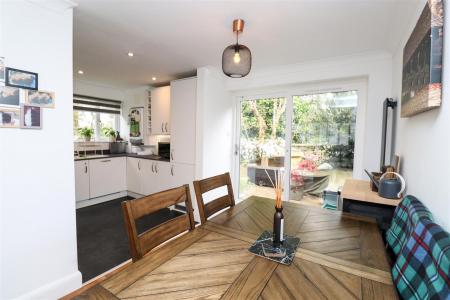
{"x": 323, "y": 130}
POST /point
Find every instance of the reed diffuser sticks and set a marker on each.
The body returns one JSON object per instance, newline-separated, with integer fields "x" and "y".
{"x": 278, "y": 187}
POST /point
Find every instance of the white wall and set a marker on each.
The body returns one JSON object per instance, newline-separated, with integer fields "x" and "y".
{"x": 373, "y": 67}
{"x": 38, "y": 232}
{"x": 214, "y": 124}
{"x": 423, "y": 140}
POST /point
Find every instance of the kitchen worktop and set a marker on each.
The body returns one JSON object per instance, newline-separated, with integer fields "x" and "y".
{"x": 150, "y": 157}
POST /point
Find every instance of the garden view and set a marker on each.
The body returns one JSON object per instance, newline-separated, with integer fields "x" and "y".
{"x": 322, "y": 144}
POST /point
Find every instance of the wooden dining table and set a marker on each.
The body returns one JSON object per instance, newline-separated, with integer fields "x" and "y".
{"x": 340, "y": 256}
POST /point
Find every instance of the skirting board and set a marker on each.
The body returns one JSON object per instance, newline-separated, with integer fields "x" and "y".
{"x": 55, "y": 289}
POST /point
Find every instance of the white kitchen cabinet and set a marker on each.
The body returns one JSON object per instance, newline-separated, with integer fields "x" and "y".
{"x": 184, "y": 174}
{"x": 148, "y": 177}
{"x": 107, "y": 176}
{"x": 164, "y": 179}
{"x": 155, "y": 177}
{"x": 182, "y": 120}
{"x": 134, "y": 166}
{"x": 81, "y": 180}
{"x": 160, "y": 110}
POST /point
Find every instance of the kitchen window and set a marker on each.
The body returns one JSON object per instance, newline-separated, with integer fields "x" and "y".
{"x": 95, "y": 113}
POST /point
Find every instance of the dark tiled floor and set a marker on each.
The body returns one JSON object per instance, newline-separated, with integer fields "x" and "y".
{"x": 102, "y": 239}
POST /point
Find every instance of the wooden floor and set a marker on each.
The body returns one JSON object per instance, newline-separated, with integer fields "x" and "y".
{"x": 340, "y": 257}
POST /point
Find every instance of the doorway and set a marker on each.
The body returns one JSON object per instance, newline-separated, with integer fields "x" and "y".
{"x": 311, "y": 137}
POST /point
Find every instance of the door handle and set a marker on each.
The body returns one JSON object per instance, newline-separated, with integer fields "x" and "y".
{"x": 171, "y": 170}
{"x": 153, "y": 167}
{"x": 162, "y": 127}
{"x": 166, "y": 127}
{"x": 139, "y": 165}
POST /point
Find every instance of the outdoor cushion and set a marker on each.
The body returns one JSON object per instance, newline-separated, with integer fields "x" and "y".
{"x": 406, "y": 216}
{"x": 422, "y": 270}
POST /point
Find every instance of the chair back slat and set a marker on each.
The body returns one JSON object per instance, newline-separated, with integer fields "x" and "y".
{"x": 134, "y": 209}
{"x": 161, "y": 233}
{"x": 152, "y": 203}
{"x": 209, "y": 184}
{"x": 212, "y": 183}
{"x": 217, "y": 205}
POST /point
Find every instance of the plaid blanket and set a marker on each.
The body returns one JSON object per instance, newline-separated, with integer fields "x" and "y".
{"x": 422, "y": 270}
{"x": 406, "y": 216}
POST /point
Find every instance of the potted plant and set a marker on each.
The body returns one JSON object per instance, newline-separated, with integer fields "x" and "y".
{"x": 109, "y": 132}
{"x": 86, "y": 133}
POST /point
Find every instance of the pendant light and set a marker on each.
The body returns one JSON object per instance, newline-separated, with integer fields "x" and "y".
{"x": 236, "y": 58}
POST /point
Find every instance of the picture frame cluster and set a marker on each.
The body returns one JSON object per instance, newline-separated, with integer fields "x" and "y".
{"x": 21, "y": 101}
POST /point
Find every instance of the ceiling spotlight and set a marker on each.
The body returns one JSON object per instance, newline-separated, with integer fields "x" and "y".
{"x": 153, "y": 78}
{"x": 80, "y": 72}
{"x": 130, "y": 54}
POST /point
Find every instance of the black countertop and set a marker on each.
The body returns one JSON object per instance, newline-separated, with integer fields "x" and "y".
{"x": 150, "y": 157}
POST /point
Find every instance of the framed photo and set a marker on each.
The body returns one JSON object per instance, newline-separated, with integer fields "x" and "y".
{"x": 9, "y": 96}
{"x": 30, "y": 116}
{"x": 2, "y": 69}
{"x": 9, "y": 117}
{"x": 40, "y": 98}
{"x": 21, "y": 79}
{"x": 422, "y": 62}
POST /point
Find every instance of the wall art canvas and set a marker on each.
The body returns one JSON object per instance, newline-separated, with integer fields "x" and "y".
{"x": 422, "y": 62}
{"x": 40, "y": 98}
{"x": 9, "y": 117}
{"x": 30, "y": 117}
{"x": 21, "y": 79}
{"x": 2, "y": 69}
{"x": 9, "y": 96}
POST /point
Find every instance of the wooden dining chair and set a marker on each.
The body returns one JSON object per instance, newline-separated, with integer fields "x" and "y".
{"x": 208, "y": 184}
{"x": 141, "y": 243}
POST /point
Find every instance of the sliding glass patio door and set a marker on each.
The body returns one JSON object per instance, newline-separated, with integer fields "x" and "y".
{"x": 261, "y": 145}
{"x": 311, "y": 137}
{"x": 322, "y": 144}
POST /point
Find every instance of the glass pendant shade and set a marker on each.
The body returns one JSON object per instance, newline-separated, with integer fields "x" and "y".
{"x": 236, "y": 61}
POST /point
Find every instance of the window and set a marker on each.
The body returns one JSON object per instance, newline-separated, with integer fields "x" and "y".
{"x": 95, "y": 113}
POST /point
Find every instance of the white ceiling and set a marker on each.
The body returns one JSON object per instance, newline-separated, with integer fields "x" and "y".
{"x": 170, "y": 38}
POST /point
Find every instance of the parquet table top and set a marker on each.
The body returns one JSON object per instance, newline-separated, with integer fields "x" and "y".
{"x": 340, "y": 256}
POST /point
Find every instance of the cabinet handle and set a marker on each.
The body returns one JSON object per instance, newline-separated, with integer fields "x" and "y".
{"x": 171, "y": 154}
{"x": 156, "y": 168}
{"x": 162, "y": 127}
{"x": 85, "y": 168}
{"x": 106, "y": 160}
{"x": 139, "y": 165}
{"x": 171, "y": 170}
{"x": 153, "y": 167}
{"x": 166, "y": 127}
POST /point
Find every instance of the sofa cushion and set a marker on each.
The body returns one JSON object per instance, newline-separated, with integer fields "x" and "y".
{"x": 406, "y": 216}
{"x": 422, "y": 269}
